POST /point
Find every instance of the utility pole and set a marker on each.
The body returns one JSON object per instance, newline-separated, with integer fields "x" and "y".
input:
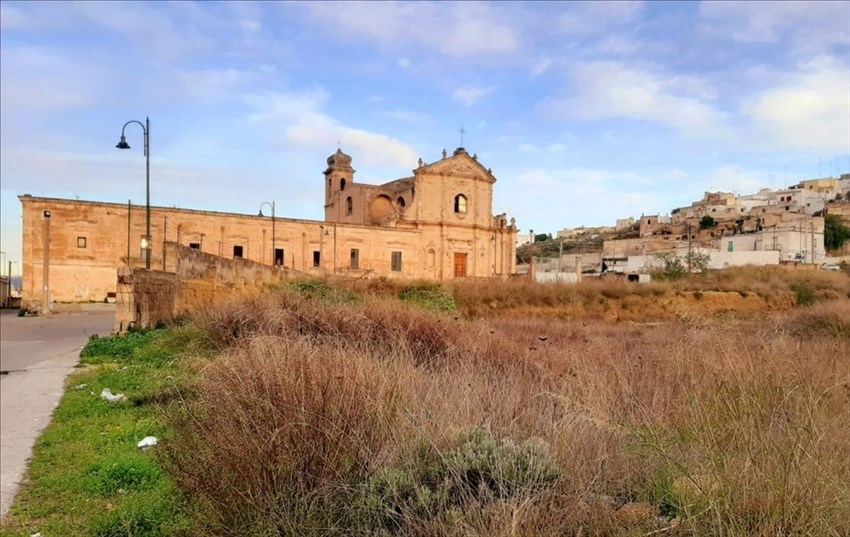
{"x": 128, "y": 232}
{"x": 689, "y": 248}
{"x": 164, "y": 238}
{"x": 46, "y": 306}
{"x": 560, "y": 253}
{"x": 812, "y": 230}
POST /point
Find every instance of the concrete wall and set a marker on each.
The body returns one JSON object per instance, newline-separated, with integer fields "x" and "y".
{"x": 717, "y": 259}
{"x": 556, "y": 277}
{"x": 4, "y": 291}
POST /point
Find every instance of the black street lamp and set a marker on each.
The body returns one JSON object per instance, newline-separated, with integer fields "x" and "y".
{"x": 270, "y": 204}
{"x": 146, "y": 128}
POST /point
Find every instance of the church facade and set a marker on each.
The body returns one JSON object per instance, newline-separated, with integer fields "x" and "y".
{"x": 436, "y": 225}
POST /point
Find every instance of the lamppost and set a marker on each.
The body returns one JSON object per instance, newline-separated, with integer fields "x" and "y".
{"x": 270, "y": 204}
{"x": 46, "y": 275}
{"x": 146, "y": 128}
{"x": 9, "y": 292}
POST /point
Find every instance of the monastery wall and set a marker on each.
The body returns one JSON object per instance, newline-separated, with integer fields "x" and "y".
{"x": 89, "y": 241}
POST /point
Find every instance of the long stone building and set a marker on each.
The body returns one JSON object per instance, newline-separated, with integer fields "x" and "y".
{"x": 436, "y": 225}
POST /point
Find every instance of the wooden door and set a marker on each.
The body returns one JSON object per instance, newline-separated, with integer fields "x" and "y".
{"x": 460, "y": 265}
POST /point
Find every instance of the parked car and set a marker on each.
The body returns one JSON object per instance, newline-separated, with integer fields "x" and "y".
{"x": 830, "y": 266}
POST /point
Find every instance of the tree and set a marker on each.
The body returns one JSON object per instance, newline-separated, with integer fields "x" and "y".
{"x": 674, "y": 266}
{"x": 835, "y": 233}
{"x": 707, "y": 222}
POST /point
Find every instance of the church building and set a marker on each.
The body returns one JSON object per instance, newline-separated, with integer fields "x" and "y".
{"x": 437, "y": 224}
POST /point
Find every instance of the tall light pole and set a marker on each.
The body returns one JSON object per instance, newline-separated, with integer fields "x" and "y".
{"x": 146, "y": 128}
{"x": 9, "y": 291}
{"x": 270, "y": 204}
{"x": 46, "y": 265}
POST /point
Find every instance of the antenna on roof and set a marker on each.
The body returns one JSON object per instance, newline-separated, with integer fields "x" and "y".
{"x": 462, "y": 132}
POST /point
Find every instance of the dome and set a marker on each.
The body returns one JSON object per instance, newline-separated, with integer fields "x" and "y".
{"x": 339, "y": 160}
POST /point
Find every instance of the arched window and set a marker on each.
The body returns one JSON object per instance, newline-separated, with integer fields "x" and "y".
{"x": 460, "y": 204}
{"x": 400, "y": 201}
{"x": 342, "y": 184}
{"x": 349, "y": 206}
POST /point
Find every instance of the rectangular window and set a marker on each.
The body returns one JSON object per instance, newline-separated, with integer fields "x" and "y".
{"x": 278, "y": 257}
{"x": 317, "y": 258}
{"x": 396, "y": 261}
{"x": 237, "y": 251}
{"x": 355, "y": 258}
{"x": 731, "y": 246}
{"x": 81, "y": 242}
{"x": 195, "y": 245}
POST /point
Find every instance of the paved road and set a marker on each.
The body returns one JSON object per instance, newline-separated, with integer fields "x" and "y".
{"x": 38, "y": 353}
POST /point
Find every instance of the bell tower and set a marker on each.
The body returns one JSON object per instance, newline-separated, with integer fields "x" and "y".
{"x": 338, "y": 177}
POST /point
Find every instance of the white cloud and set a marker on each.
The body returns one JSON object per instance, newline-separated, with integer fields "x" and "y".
{"x": 586, "y": 191}
{"x": 470, "y": 95}
{"x": 305, "y": 125}
{"x": 13, "y": 18}
{"x": 598, "y": 196}
{"x": 408, "y": 115}
{"x": 585, "y": 18}
{"x": 459, "y": 29}
{"x": 809, "y": 25}
{"x": 618, "y": 90}
{"x": 215, "y": 84}
{"x": 541, "y": 66}
{"x": 551, "y": 148}
{"x": 36, "y": 79}
{"x": 810, "y": 109}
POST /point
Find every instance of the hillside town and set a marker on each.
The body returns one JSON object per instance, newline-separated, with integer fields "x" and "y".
{"x": 770, "y": 227}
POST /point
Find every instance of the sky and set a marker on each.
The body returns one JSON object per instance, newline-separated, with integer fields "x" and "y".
{"x": 585, "y": 112}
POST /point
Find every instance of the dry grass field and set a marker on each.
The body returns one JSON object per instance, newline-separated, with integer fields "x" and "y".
{"x": 522, "y": 410}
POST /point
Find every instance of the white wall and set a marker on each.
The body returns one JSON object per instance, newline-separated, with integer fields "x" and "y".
{"x": 717, "y": 260}
{"x": 556, "y": 277}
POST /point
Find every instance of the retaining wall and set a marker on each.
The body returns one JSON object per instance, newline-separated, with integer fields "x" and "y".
{"x": 147, "y": 298}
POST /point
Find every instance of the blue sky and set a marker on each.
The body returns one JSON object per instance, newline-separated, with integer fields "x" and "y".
{"x": 585, "y": 112}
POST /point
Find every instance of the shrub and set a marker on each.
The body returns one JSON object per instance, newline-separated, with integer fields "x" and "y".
{"x": 830, "y": 319}
{"x": 428, "y": 296}
{"x": 320, "y": 289}
{"x": 118, "y": 345}
{"x": 835, "y": 232}
{"x": 805, "y": 293}
{"x": 375, "y": 419}
{"x": 283, "y": 424}
{"x": 478, "y": 470}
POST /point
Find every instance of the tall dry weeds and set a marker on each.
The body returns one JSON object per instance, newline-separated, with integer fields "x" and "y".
{"x": 373, "y": 418}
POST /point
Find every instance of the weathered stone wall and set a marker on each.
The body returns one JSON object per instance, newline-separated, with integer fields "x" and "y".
{"x": 80, "y": 246}
{"x": 146, "y": 298}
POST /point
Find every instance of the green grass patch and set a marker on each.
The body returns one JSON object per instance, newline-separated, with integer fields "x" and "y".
{"x": 428, "y": 296}
{"x": 322, "y": 290}
{"x": 87, "y": 476}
